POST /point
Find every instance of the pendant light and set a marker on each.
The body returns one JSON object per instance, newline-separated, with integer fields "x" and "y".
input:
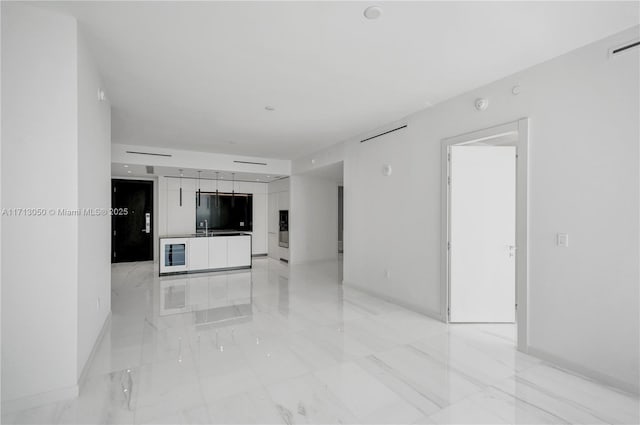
{"x": 181, "y": 174}
{"x": 217, "y": 184}
{"x": 233, "y": 189}
{"x": 199, "y": 187}
{"x": 208, "y": 201}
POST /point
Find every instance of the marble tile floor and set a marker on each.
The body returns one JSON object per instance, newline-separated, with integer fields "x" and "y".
{"x": 289, "y": 345}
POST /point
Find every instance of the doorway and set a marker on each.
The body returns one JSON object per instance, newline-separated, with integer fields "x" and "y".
{"x": 132, "y": 220}
{"x": 484, "y": 236}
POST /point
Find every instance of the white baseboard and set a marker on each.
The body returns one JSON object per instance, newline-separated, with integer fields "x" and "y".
{"x": 314, "y": 261}
{"x": 401, "y": 303}
{"x": 574, "y": 368}
{"x": 61, "y": 394}
{"x": 85, "y": 369}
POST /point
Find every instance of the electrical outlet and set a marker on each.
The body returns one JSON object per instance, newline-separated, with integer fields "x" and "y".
{"x": 562, "y": 240}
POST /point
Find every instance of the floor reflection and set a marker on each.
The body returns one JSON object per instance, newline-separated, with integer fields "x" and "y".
{"x": 290, "y": 344}
{"x": 212, "y": 298}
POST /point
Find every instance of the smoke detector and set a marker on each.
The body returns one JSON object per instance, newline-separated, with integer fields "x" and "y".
{"x": 481, "y": 104}
{"x": 372, "y": 12}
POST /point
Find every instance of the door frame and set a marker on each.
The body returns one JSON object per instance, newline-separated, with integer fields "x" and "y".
{"x": 516, "y": 134}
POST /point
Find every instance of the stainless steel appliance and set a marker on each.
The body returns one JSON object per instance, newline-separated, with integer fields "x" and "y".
{"x": 283, "y": 239}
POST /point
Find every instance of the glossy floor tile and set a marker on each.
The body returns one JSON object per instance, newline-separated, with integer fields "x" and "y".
{"x": 290, "y": 345}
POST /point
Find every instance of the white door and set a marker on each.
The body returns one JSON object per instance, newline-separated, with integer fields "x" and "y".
{"x": 482, "y": 234}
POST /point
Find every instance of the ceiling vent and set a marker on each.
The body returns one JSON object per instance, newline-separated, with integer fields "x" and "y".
{"x": 249, "y": 162}
{"x": 624, "y": 48}
{"x": 382, "y": 134}
{"x": 149, "y": 153}
{"x": 149, "y": 169}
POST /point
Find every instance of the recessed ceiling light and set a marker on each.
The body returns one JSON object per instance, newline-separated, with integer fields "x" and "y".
{"x": 129, "y": 171}
{"x": 258, "y": 180}
{"x": 372, "y": 12}
{"x": 125, "y": 166}
{"x": 269, "y": 108}
{"x": 268, "y": 177}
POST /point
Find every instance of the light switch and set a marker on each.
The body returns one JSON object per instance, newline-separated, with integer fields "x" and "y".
{"x": 562, "y": 240}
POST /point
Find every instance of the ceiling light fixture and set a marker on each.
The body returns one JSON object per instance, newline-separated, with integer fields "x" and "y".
{"x": 129, "y": 171}
{"x": 372, "y": 12}
{"x": 233, "y": 189}
{"x": 217, "y": 193}
{"x": 125, "y": 166}
{"x": 181, "y": 174}
{"x": 199, "y": 192}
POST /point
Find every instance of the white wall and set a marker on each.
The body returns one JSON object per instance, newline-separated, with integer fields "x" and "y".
{"x": 55, "y": 155}
{"x": 94, "y": 191}
{"x": 179, "y": 220}
{"x": 1, "y": 205}
{"x": 40, "y": 170}
{"x": 313, "y": 219}
{"x": 584, "y": 180}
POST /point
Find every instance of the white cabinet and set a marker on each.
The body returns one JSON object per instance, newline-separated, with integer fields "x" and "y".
{"x": 272, "y": 214}
{"x": 273, "y": 246}
{"x": 217, "y": 252}
{"x": 181, "y": 219}
{"x": 284, "y": 253}
{"x": 198, "y": 254}
{"x": 259, "y": 223}
{"x": 283, "y": 200}
{"x": 277, "y": 201}
{"x": 238, "y": 251}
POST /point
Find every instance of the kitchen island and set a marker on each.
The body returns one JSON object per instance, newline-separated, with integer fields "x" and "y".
{"x": 205, "y": 252}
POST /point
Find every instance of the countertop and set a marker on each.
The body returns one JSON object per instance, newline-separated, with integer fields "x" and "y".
{"x": 209, "y": 235}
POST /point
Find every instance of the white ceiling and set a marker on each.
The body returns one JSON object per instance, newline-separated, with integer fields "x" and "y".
{"x": 198, "y": 75}
{"x": 134, "y": 170}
